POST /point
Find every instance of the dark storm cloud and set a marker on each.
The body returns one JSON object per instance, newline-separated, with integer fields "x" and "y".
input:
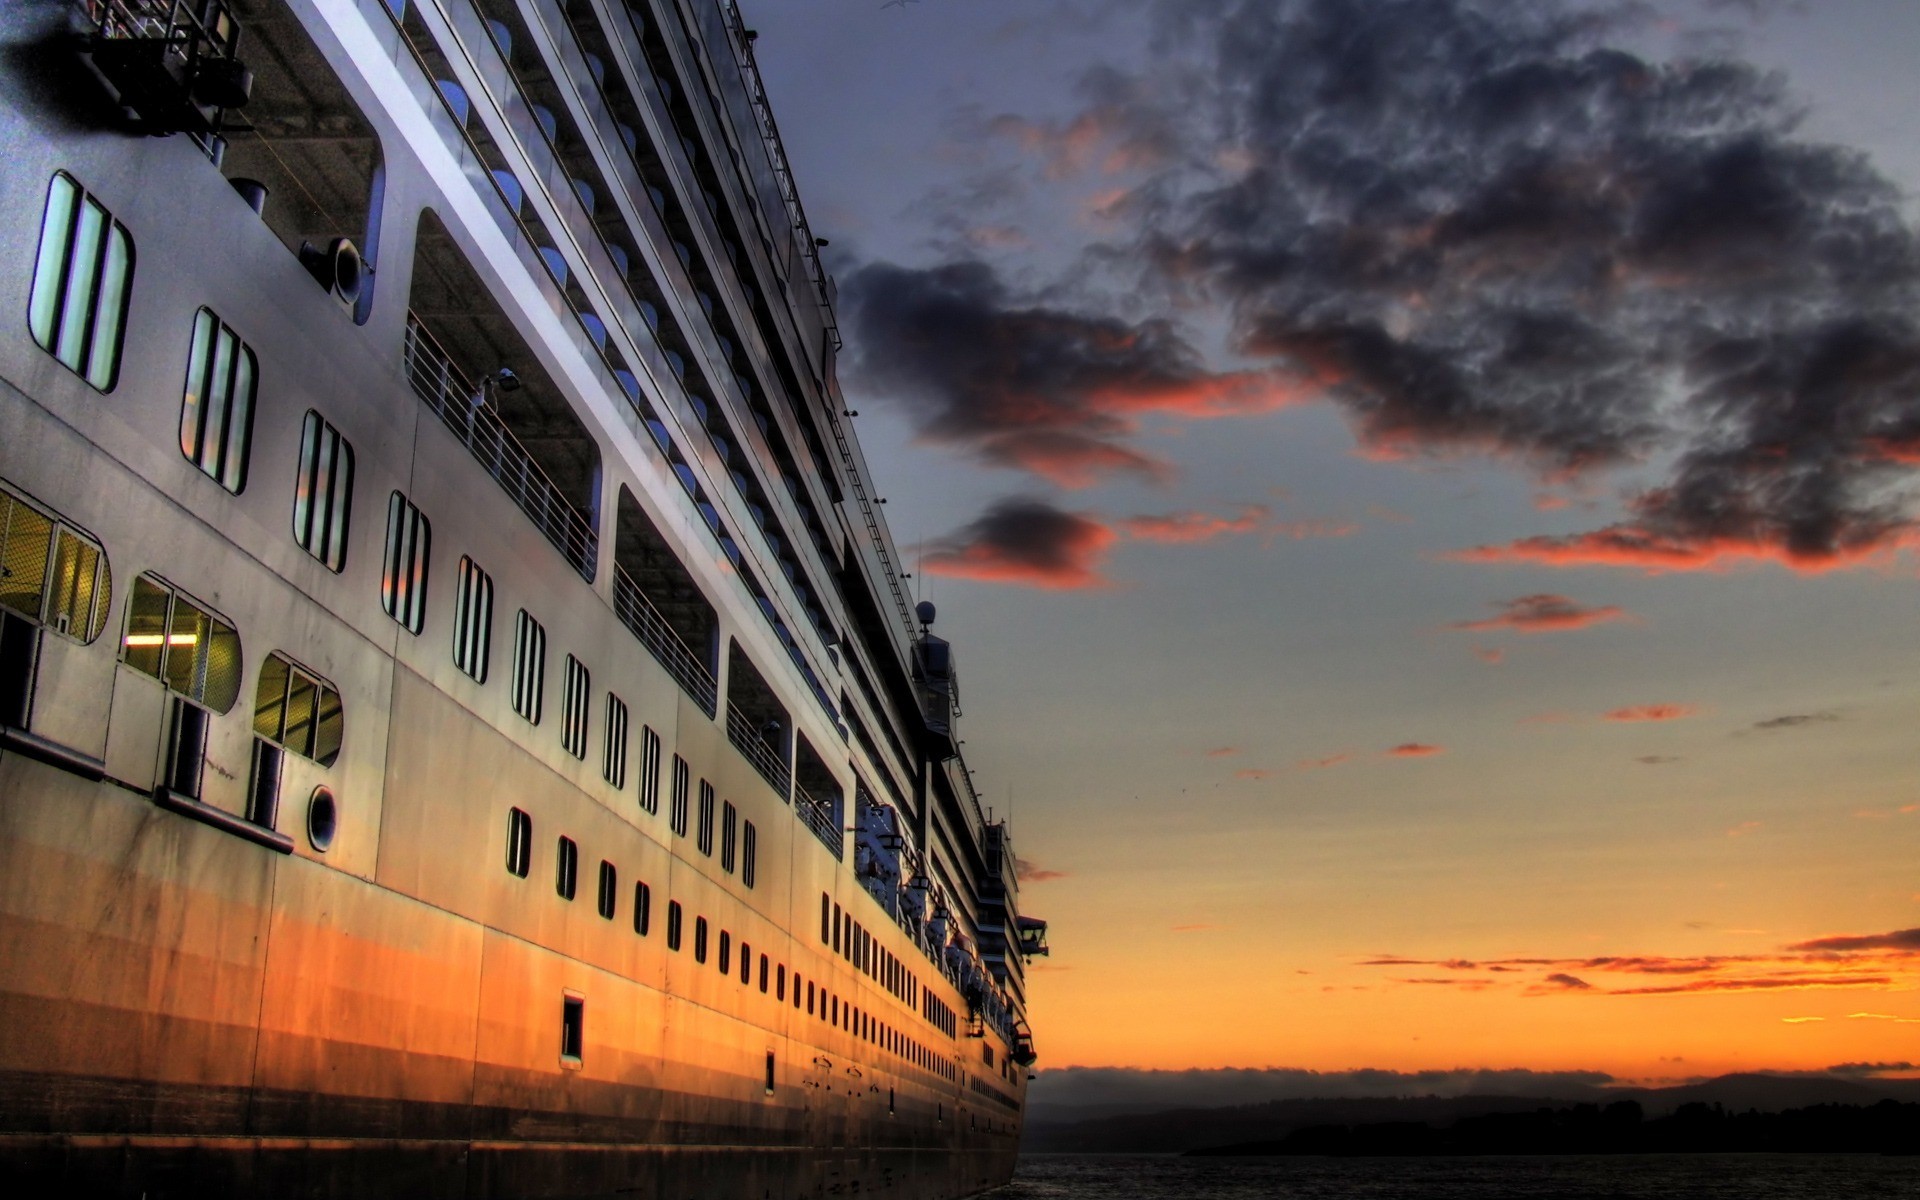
{"x": 1501, "y": 235}
{"x": 1026, "y": 542}
{"x": 1481, "y": 228}
{"x": 1019, "y": 383}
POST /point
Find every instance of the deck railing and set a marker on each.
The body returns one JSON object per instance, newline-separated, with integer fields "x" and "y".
{"x": 641, "y": 618}
{"x": 446, "y": 390}
{"x": 818, "y": 816}
{"x": 747, "y": 739}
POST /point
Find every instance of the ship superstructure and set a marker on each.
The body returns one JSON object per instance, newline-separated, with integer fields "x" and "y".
{"x": 462, "y": 729}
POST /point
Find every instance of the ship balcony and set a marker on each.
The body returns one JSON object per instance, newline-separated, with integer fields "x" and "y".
{"x": 819, "y": 800}
{"x": 467, "y": 409}
{"x": 661, "y": 604}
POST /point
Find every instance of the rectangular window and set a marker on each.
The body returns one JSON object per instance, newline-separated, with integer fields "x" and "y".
{"x": 726, "y": 950}
{"x": 764, "y": 969}
{"x": 682, "y": 779}
{"x": 529, "y": 667}
{"x": 473, "y": 620}
{"x": 519, "y": 843}
{"x": 729, "y": 836}
{"x": 403, "y": 581}
{"x": 323, "y": 492}
{"x": 50, "y": 573}
{"x": 609, "y": 889}
{"x": 649, "y": 770}
{"x": 216, "y": 411}
{"x": 746, "y": 963}
{"x": 297, "y": 709}
{"x": 577, "y": 689}
{"x": 642, "y": 908}
{"x": 185, "y": 647}
{"x": 82, "y": 282}
{"x": 566, "y": 868}
{"x": 749, "y": 852}
{"x": 187, "y": 748}
{"x": 700, "y": 939}
{"x": 705, "y": 839}
{"x": 613, "y": 760}
{"x": 826, "y": 918}
{"x": 673, "y": 924}
{"x": 573, "y": 1028}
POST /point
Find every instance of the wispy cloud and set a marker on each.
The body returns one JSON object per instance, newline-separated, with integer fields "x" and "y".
{"x": 1545, "y": 612}
{"x": 1252, "y": 773}
{"x": 1415, "y": 750}
{"x": 1322, "y": 764}
{"x": 1907, "y": 940}
{"x": 1223, "y": 752}
{"x": 1028, "y": 871}
{"x": 1186, "y": 527}
{"x": 1796, "y": 720}
{"x": 1651, "y": 713}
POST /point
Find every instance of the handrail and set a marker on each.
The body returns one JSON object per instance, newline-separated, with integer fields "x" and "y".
{"x": 646, "y": 624}
{"x": 750, "y": 743}
{"x": 817, "y": 816}
{"x": 462, "y": 406}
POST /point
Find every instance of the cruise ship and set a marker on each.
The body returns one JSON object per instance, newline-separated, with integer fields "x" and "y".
{"x": 463, "y": 728}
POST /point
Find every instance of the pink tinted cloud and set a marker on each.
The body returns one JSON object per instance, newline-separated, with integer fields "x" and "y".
{"x": 1640, "y": 713}
{"x": 1252, "y": 773}
{"x": 1223, "y": 752}
{"x": 1545, "y": 612}
{"x": 1186, "y": 527}
{"x": 1415, "y": 750}
{"x": 1639, "y": 548}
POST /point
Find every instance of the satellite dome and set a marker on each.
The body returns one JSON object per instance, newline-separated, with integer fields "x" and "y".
{"x": 925, "y": 611}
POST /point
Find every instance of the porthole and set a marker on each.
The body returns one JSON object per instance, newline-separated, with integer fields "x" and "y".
{"x": 323, "y": 819}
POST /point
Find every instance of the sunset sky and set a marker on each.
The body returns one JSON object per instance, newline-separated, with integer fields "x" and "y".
{"x": 1421, "y": 492}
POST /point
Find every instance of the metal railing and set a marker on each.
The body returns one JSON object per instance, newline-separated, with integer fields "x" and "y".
{"x": 641, "y": 618}
{"x": 447, "y": 391}
{"x": 747, "y": 739}
{"x": 818, "y": 816}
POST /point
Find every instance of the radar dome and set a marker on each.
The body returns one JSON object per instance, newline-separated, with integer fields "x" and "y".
{"x": 925, "y": 611}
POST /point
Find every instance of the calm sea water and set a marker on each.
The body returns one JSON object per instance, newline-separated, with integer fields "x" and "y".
{"x": 1641, "y": 1177}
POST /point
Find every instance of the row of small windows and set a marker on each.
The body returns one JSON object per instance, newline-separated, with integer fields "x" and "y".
{"x": 772, "y": 977}
{"x": 851, "y": 940}
{"x": 567, "y": 861}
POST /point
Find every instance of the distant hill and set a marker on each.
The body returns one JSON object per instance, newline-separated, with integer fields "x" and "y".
{"x": 1192, "y": 1128}
{"x": 1888, "y": 1127}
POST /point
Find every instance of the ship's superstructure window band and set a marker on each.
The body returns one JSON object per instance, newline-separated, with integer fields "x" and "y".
{"x": 649, "y": 770}
{"x": 82, "y": 283}
{"x": 403, "y": 579}
{"x": 529, "y": 667}
{"x": 472, "y": 620}
{"x": 296, "y": 709}
{"x": 519, "y": 843}
{"x": 566, "y": 875}
{"x": 182, "y": 644}
{"x": 50, "y": 572}
{"x": 323, "y": 492}
{"x": 216, "y": 409}
{"x": 578, "y": 688}
{"x": 613, "y": 761}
